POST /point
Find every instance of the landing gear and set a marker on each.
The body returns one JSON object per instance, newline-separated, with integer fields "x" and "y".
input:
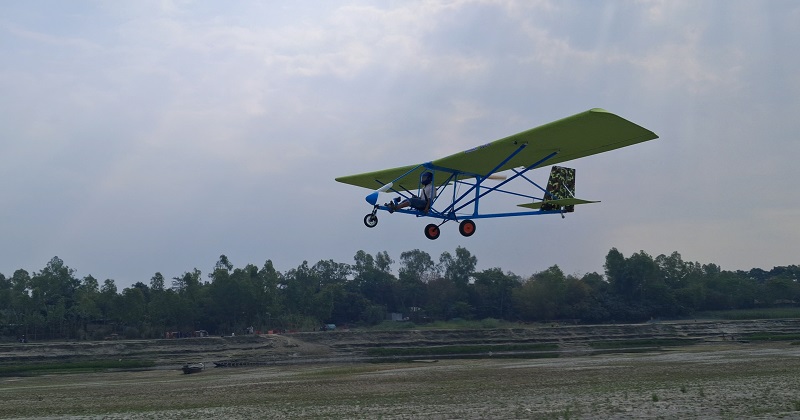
{"x": 466, "y": 227}
{"x": 371, "y": 220}
{"x": 432, "y": 231}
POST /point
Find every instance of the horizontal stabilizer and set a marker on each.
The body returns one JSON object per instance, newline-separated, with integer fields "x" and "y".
{"x": 557, "y": 203}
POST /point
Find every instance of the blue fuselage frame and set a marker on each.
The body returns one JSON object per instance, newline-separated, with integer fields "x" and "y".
{"x": 474, "y": 192}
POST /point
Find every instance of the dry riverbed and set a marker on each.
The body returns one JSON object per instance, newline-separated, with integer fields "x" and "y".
{"x": 716, "y": 380}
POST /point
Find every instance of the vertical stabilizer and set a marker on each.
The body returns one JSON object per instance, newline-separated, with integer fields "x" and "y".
{"x": 560, "y": 185}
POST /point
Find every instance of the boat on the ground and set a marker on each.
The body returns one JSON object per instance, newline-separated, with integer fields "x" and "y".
{"x": 193, "y": 368}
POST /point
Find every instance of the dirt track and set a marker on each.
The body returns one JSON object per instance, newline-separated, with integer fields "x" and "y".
{"x": 329, "y": 375}
{"x": 730, "y": 380}
{"x": 353, "y": 346}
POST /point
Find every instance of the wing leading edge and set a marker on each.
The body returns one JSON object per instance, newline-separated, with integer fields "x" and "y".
{"x": 585, "y": 134}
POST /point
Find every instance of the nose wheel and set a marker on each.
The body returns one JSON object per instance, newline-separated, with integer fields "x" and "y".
{"x": 371, "y": 219}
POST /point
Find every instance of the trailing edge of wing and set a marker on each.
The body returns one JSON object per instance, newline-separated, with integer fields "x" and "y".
{"x": 560, "y": 202}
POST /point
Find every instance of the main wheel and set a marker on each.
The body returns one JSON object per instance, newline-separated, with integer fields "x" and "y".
{"x": 432, "y": 231}
{"x": 466, "y": 227}
{"x": 371, "y": 220}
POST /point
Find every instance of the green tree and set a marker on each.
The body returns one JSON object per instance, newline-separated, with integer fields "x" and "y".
{"x": 159, "y": 307}
{"x": 458, "y": 269}
{"x": 442, "y": 296}
{"x": 54, "y": 291}
{"x": 188, "y": 284}
{"x": 364, "y": 264}
{"x": 542, "y": 296}
{"x": 20, "y": 312}
{"x": 132, "y": 311}
{"x": 622, "y": 281}
{"x": 383, "y": 262}
{"x": 330, "y": 272}
{"x": 416, "y": 269}
{"x": 107, "y": 300}
{"x": 493, "y": 291}
{"x": 268, "y": 292}
{"x": 86, "y": 308}
{"x": 375, "y": 283}
{"x": 417, "y": 265}
{"x": 232, "y": 295}
{"x": 223, "y": 264}
{"x": 190, "y": 305}
{"x": 5, "y": 299}
{"x": 298, "y": 287}
{"x": 157, "y": 282}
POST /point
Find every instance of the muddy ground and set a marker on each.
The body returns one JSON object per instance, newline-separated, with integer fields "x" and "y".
{"x": 355, "y": 345}
{"x": 320, "y": 375}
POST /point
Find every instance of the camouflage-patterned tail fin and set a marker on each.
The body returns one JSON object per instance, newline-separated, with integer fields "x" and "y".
{"x": 561, "y": 185}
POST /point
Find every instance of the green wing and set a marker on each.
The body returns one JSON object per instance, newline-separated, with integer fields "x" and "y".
{"x": 588, "y": 133}
{"x": 374, "y": 180}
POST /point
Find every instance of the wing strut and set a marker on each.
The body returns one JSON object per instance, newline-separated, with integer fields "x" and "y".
{"x": 517, "y": 174}
{"x": 478, "y": 181}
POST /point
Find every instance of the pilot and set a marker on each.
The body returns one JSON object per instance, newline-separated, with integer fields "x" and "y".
{"x": 423, "y": 203}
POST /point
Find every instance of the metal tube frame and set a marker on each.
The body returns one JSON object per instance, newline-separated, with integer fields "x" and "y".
{"x": 451, "y": 211}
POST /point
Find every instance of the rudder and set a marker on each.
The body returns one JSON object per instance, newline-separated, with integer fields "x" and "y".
{"x": 560, "y": 185}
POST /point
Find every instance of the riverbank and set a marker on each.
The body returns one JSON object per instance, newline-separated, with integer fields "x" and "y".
{"x": 531, "y": 341}
{"x": 706, "y": 380}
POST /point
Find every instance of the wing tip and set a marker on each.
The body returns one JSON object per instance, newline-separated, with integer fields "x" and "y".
{"x": 652, "y": 136}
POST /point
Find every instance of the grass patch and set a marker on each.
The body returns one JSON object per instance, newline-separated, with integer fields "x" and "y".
{"x": 748, "y": 314}
{"x": 393, "y": 326}
{"x": 342, "y": 371}
{"x": 770, "y": 336}
{"x": 456, "y": 324}
{"x": 462, "y": 324}
{"x": 621, "y": 344}
{"x": 459, "y": 349}
{"x": 72, "y": 367}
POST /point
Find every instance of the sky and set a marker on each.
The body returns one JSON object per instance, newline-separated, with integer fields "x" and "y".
{"x": 154, "y": 136}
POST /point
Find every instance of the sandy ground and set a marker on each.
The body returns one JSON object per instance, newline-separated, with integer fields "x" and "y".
{"x": 722, "y": 380}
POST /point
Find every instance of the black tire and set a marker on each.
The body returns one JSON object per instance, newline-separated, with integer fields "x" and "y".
{"x": 371, "y": 220}
{"x": 466, "y": 227}
{"x": 432, "y": 231}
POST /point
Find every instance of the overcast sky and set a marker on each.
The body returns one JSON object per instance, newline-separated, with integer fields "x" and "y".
{"x": 152, "y": 136}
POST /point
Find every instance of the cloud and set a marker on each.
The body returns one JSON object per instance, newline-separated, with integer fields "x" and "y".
{"x": 153, "y": 136}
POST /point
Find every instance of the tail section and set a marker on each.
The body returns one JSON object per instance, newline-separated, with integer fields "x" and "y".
{"x": 560, "y": 195}
{"x": 560, "y": 186}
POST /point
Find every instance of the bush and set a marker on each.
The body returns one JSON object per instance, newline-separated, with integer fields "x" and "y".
{"x": 490, "y": 323}
{"x": 131, "y": 333}
{"x": 394, "y": 326}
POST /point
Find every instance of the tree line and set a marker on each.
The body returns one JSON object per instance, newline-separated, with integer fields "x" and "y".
{"x": 55, "y": 304}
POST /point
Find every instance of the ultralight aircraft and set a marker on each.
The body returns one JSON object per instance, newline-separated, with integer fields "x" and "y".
{"x": 474, "y": 173}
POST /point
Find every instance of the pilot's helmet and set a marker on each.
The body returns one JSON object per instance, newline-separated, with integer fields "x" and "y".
{"x": 426, "y": 178}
